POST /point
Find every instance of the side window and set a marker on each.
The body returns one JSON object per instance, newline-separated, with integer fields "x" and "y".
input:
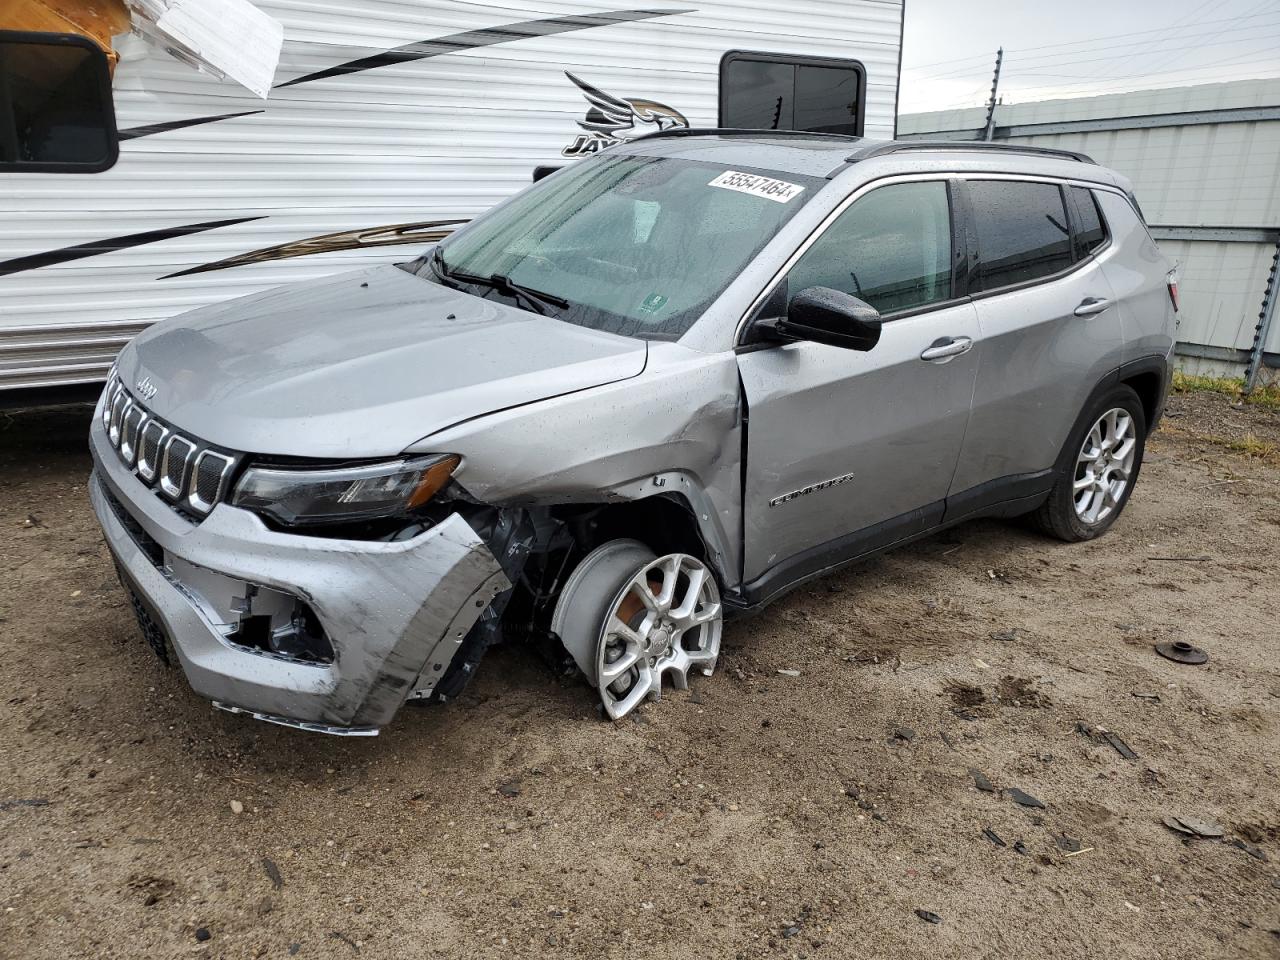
{"x": 1091, "y": 231}
{"x": 762, "y": 91}
{"x": 1022, "y": 231}
{"x": 891, "y": 248}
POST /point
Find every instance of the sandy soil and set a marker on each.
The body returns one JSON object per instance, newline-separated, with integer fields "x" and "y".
{"x": 759, "y": 815}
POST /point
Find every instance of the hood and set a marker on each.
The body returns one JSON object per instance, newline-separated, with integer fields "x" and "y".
{"x": 360, "y": 365}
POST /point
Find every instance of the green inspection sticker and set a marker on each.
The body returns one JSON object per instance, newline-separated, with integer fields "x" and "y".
{"x": 653, "y": 303}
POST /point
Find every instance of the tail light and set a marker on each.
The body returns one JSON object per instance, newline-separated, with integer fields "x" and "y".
{"x": 1171, "y": 281}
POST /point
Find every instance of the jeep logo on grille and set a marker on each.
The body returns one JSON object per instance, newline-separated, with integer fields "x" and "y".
{"x": 146, "y": 389}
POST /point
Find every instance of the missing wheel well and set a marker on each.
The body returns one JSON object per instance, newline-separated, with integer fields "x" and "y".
{"x": 665, "y": 523}
{"x": 539, "y": 548}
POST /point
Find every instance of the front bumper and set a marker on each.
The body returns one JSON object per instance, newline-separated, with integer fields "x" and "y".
{"x": 395, "y": 613}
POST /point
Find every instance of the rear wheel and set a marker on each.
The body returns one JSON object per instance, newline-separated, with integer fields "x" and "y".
{"x": 1100, "y": 475}
{"x": 632, "y": 620}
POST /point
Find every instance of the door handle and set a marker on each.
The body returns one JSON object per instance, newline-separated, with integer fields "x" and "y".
{"x": 1091, "y": 306}
{"x": 943, "y": 350}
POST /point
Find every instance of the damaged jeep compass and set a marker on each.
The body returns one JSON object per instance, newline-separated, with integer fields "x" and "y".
{"x": 657, "y": 388}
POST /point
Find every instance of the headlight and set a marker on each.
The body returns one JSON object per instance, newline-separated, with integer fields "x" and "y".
{"x": 345, "y": 495}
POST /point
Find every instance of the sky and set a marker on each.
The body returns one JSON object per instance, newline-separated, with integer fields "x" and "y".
{"x": 1081, "y": 48}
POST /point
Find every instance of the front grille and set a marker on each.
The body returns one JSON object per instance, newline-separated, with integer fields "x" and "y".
{"x": 186, "y": 471}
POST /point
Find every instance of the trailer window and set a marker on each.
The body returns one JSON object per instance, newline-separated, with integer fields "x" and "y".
{"x": 764, "y": 91}
{"x": 56, "y": 110}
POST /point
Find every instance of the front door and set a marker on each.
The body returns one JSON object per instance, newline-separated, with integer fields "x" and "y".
{"x": 848, "y": 450}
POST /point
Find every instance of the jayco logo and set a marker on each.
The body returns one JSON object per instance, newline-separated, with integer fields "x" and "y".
{"x": 611, "y": 120}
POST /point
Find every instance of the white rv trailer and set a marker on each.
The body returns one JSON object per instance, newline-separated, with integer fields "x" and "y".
{"x": 389, "y": 122}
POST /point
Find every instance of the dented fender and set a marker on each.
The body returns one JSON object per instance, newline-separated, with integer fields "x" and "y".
{"x": 682, "y": 438}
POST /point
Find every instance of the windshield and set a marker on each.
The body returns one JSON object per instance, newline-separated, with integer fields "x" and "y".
{"x": 638, "y": 246}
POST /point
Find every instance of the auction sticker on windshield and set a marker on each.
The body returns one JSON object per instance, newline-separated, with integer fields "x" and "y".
{"x": 778, "y": 191}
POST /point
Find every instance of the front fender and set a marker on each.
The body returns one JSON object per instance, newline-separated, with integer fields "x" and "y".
{"x": 675, "y": 429}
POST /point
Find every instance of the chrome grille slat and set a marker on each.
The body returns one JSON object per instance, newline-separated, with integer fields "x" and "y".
{"x": 118, "y": 406}
{"x": 152, "y": 440}
{"x": 129, "y": 431}
{"x": 113, "y": 391}
{"x": 188, "y": 473}
{"x": 174, "y": 464}
{"x": 207, "y": 482}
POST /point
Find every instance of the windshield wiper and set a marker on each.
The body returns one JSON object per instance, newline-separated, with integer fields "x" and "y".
{"x": 444, "y": 271}
{"x": 537, "y": 300}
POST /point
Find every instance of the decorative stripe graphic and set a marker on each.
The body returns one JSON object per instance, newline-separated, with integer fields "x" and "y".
{"x": 81, "y": 250}
{"x": 429, "y": 231}
{"x": 150, "y": 128}
{"x": 377, "y": 236}
{"x": 458, "y": 42}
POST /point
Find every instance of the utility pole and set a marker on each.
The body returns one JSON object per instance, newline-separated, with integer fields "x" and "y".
{"x": 991, "y": 104}
{"x": 1265, "y": 318}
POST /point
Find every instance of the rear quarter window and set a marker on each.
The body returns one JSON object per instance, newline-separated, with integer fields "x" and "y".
{"x": 1022, "y": 231}
{"x": 1091, "y": 229}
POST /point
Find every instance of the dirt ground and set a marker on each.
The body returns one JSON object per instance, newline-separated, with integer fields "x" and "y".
{"x": 761, "y": 814}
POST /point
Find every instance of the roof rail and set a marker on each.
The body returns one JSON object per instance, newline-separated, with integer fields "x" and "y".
{"x": 981, "y": 146}
{"x": 743, "y": 132}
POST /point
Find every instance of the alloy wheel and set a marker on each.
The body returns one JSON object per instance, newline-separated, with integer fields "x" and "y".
{"x": 665, "y": 622}
{"x": 1104, "y": 467}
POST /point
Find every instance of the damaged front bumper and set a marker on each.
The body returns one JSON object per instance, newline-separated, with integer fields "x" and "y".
{"x": 394, "y": 613}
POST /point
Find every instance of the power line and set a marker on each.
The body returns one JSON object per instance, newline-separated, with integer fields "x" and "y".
{"x": 1238, "y": 71}
{"x": 965, "y": 101}
{"x": 1127, "y": 85}
{"x": 1109, "y": 79}
{"x": 1072, "y": 43}
{"x": 1266, "y": 36}
{"x": 1242, "y": 60}
{"x": 1147, "y": 44}
{"x": 1209, "y": 41}
{"x": 1181, "y": 21}
{"x": 1197, "y": 44}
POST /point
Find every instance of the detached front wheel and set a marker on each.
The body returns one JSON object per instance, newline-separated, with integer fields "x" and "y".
{"x": 631, "y": 620}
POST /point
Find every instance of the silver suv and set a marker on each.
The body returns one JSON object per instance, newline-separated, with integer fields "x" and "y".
{"x": 659, "y": 387}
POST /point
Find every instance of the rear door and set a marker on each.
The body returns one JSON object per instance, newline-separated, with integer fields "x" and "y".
{"x": 1050, "y": 333}
{"x": 849, "y": 450}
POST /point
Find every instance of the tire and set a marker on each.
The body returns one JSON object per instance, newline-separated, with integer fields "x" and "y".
{"x": 1074, "y": 514}
{"x": 632, "y": 620}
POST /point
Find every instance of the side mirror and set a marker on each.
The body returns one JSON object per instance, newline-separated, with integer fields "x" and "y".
{"x": 829, "y": 316}
{"x": 56, "y": 110}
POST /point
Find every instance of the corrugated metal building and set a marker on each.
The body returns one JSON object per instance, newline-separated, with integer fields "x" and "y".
{"x": 1205, "y": 163}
